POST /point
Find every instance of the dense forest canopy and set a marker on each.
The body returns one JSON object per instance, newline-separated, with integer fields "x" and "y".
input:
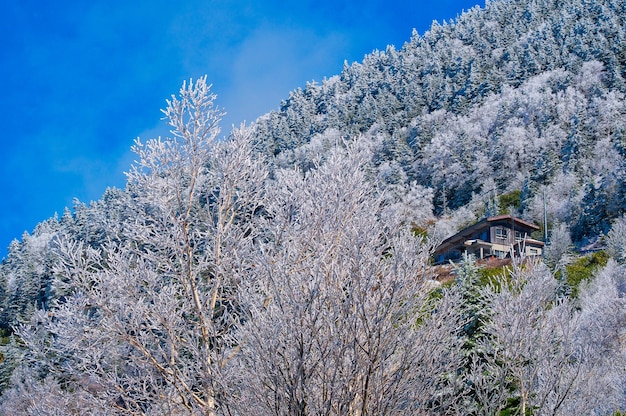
{"x": 527, "y": 94}
{"x": 286, "y": 268}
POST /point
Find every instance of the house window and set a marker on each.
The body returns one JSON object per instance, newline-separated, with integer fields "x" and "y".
{"x": 502, "y": 233}
{"x": 518, "y": 236}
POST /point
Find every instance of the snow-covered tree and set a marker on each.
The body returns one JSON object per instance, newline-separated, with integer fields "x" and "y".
{"x": 542, "y": 355}
{"x": 343, "y": 321}
{"x": 616, "y": 240}
{"x": 149, "y": 318}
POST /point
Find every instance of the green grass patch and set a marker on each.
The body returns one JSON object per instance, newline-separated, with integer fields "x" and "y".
{"x": 510, "y": 199}
{"x": 582, "y": 269}
{"x": 491, "y": 275}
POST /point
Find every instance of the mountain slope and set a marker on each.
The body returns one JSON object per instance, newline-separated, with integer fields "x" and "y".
{"x": 528, "y": 94}
{"x": 285, "y": 270}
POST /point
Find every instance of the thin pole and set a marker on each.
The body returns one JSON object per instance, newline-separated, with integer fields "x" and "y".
{"x": 545, "y": 218}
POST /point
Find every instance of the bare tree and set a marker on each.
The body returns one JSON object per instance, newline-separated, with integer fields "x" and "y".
{"x": 343, "y": 321}
{"x": 601, "y": 330}
{"x": 149, "y": 326}
{"x": 558, "y": 253}
{"x": 616, "y": 240}
{"x": 522, "y": 336}
{"x": 538, "y": 355}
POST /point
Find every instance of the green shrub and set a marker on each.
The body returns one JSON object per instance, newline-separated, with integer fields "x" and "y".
{"x": 510, "y": 199}
{"x": 489, "y": 275}
{"x": 583, "y": 269}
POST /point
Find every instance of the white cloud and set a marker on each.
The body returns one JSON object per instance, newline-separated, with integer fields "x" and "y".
{"x": 271, "y": 62}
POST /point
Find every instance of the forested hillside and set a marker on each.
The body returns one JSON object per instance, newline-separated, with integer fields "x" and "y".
{"x": 286, "y": 269}
{"x": 518, "y": 96}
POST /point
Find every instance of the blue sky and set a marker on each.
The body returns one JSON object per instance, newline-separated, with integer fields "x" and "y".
{"x": 81, "y": 79}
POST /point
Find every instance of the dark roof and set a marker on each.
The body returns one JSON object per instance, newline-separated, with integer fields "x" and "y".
{"x": 515, "y": 220}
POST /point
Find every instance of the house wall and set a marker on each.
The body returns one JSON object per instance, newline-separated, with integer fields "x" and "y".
{"x": 495, "y": 245}
{"x": 510, "y": 231}
{"x": 533, "y": 251}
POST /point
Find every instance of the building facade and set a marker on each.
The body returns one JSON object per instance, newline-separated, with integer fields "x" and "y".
{"x": 500, "y": 236}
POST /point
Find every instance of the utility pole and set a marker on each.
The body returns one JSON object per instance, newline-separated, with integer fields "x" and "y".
{"x": 445, "y": 200}
{"x": 545, "y": 218}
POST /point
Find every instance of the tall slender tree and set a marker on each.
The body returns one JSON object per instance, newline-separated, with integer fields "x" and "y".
{"x": 147, "y": 326}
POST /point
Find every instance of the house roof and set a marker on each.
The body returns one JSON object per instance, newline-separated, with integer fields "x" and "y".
{"x": 515, "y": 220}
{"x": 464, "y": 234}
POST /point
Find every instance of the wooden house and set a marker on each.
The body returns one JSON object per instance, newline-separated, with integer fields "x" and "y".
{"x": 498, "y": 236}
